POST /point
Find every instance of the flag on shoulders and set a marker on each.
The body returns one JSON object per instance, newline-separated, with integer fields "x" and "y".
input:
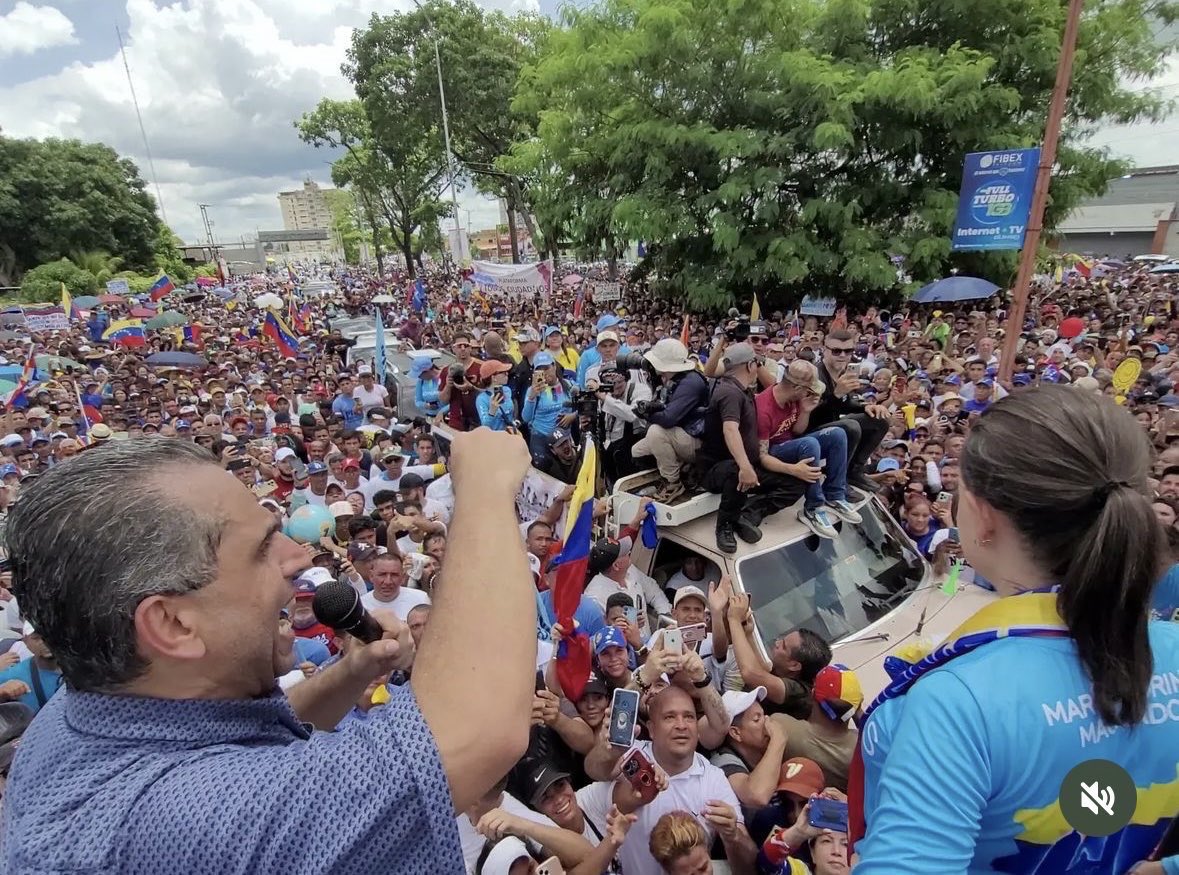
{"x": 573, "y": 656}
{"x": 16, "y": 398}
{"x": 125, "y": 332}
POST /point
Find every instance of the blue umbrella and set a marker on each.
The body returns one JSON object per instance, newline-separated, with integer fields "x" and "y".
{"x": 85, "y": 302}
{"x": 223, "y": 293}
{"x": 955, "y": 288}
{"x": 176, "y": 360}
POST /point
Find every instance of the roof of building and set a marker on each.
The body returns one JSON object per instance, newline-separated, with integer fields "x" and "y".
{"x": 1110, "y": 218}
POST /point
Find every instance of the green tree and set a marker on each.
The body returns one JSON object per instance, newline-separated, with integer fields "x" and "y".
{"x": 168, "y": 257}
{"x": 59, "y": 197}
{"x": 787, "y": 147}
{"x": 43, "y": 283}
{"x": 99, "y": 264}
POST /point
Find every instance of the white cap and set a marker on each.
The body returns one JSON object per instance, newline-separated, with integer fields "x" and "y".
{"x": 11, "y": 440}
{"x": 364, "y": 369}
{"x": 506, "y": 852}
{"x": 316, "y": 576}
{"x": 341, "y": 508}
{"x": 737, "y": 704}
{"x": 688, "y": 592}
{"x": 284, "y": 453}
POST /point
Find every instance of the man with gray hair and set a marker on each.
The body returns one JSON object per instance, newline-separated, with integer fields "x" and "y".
{"x": 170, "y": 747}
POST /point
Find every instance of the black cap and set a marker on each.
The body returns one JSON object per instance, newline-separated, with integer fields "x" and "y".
{"x": 603, "y": 554}
{"x": 307, "y": 419}
{"x": 410, "y": 481}
{"x": 559, "y": 436}
{"x": 595, "y": 684}
{"x": 758, "y": 329}
{"x": 282, "y": 419}
{"x": 540, "y": 779}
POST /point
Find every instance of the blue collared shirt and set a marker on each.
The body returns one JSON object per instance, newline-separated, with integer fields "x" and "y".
{"x": 128, "y": 784}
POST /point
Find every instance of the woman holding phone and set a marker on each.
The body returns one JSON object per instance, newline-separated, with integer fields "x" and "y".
{"x": 1064, "y": 668}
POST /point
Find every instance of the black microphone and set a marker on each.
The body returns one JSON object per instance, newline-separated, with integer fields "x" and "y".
{"x": 338, "y": 606}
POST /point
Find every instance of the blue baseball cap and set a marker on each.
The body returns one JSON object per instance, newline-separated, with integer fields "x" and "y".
{"x": 183, "y": 423}
{"x": 985, "y": 381}
{"x": 607, "y": 321}
{"x": 888, "y": 464}
{"x": 609, "y": 636}
{"x": 550, "y": 331}
{"x": 1021, "y": 379}
{"x": 316, "y": 468}
{"x": 543, "y": 360}
{"x": 953, "y": 380}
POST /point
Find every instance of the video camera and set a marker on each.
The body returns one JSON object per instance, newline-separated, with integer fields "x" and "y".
{"x": 737, "y": 328}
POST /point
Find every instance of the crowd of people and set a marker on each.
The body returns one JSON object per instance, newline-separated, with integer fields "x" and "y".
{"x": 736, "y": 756}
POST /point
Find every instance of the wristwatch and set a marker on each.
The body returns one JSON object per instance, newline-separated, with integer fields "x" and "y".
{"x": 702, "y": 684}
{"x": 637, "y": 677}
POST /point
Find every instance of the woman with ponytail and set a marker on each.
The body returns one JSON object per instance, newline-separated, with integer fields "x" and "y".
{"x": 962, "y": 756}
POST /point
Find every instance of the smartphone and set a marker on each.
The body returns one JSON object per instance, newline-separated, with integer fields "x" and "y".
{"x": 828, "y": 814}
{"x": 673, "y": 641}
{"x": 551, "y": 866}
{"x": 692, "y": 634}
{"x": 640, "y": 774}
{"x": 298, "y": 468}
{"x": 631, "y": 613}
{"x": 952, "y": 535}
{"x": 624, "y": 714}
{"x": 944, "y": 497}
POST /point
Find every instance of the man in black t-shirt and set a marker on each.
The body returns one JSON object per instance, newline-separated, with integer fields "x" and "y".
{"x": 729, "y": 455}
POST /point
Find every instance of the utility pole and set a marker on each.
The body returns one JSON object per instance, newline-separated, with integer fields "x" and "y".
{"x": 1031, "y": 239}
{"x": 142, "y": 130}
{"x": 208, "y": 223}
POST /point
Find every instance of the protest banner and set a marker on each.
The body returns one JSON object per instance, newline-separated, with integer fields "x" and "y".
{"x": 46, "y": 319}
{"x": 817, "y": 306}
{"x": 995, "y": 199}
{"x": 514, "y": 279}
{"x": 117, "y": 287}
{"x": 607, "y": 292}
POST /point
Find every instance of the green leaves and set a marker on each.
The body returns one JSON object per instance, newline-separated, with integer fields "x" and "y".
{"x": 788, "y": 147}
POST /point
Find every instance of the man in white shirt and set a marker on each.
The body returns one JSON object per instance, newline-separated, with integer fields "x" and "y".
{"x": 369, "y": 393}
{"x": 388, "y": 594}
{"x": 613, "y": 572}
{"x": 390, "y": 479}
{"x": 692, "y": 783}
{"x": 696, "y": 571}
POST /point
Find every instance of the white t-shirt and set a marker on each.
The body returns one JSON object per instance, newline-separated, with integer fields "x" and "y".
{"x": 472, "y": 842}
{"x": 406, "y": 601}
{"x": 712, "y": 574}
{"x": 643, "y": 591}
{"x": 379, "y": 482}
{"x": 688, "y": 791}
{"x": 377, "y": 396}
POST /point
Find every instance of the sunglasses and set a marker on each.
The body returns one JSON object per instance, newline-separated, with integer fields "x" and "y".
{"x": 840, "y": 350}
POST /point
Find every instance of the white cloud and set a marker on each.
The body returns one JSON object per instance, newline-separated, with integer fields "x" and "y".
{"x": 220, "y": 83}
{"x": 28, "y": 29}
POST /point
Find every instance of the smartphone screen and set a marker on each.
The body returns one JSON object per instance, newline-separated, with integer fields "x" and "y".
{"x": 624, "y": 713}
{"x": 828, "y": 814}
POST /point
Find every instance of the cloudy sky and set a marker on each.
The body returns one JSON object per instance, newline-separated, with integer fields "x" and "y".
{"x": 219, "y": 83}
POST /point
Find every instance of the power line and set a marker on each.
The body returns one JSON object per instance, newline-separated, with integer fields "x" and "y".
{"x": 142, "y": 130}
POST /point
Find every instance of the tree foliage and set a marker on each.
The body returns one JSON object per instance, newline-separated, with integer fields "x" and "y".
{"x": 61, "y": 197}
{"x": 787, "y": 147}
{"x": 43, "y": 283}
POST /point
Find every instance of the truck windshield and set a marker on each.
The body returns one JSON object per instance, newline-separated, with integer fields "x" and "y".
{"x": 833, "y": 587}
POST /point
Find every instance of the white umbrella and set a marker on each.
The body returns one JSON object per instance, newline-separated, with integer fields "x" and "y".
{"x": 1173, "y": 267}
{"x": 269, "y": 299}
{"x": 384, "y": 299}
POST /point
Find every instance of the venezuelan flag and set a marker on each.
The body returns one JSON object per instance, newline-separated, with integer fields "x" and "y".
{"x": 128, "y": 332}
{"x": 283, "y": 338}
{"x": 573, "y": 656}
{"x": 17, "y": 395}
{"x": 67, "y": 304}
{"x": 160, "y": 288}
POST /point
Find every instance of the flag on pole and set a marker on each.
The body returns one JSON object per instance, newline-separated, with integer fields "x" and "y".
{"x": 277, "y": 330}
{"x": 67, "y": 304}
{"x": 686, "y": 333}
{"x": 160, "y": 288}
{"x": 419, "y": 295}
{"x": 17, "y": 395}
{"x": 379, "y": 353}
{"x": 573, "y": 654}
{"x": 755, "y": 310}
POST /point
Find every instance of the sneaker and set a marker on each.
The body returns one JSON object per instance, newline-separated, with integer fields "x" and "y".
{"x": 857, "y": 495}
{"x": 862, "y": 482}
{"x": 816, "y": 519}
{"x": 747, "y": 530}
{"x": 668, "y": 492}
{"x": 726, "y": 540}
{"x": 844, "y": 511}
